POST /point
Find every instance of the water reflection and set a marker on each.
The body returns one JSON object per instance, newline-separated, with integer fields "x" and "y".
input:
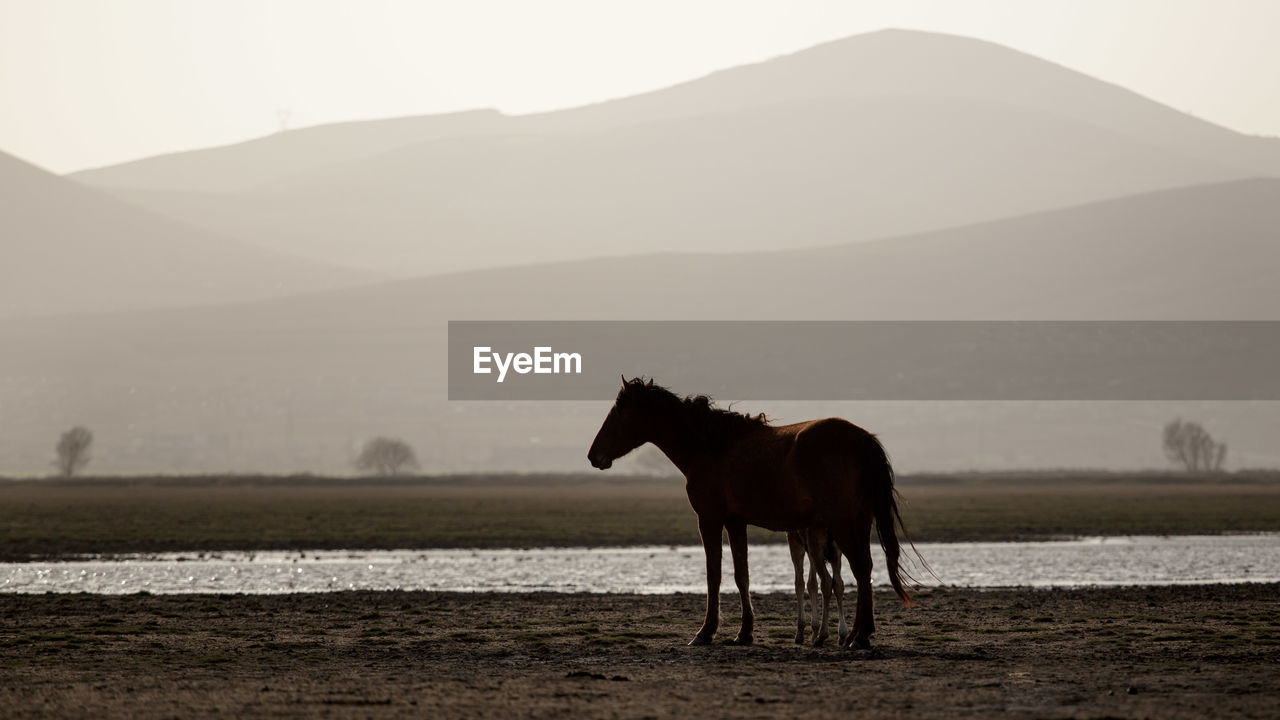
{"x": 1138, "y": 560}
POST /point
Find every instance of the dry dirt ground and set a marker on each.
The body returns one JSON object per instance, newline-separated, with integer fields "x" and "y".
{"x": 1187, "y": 652}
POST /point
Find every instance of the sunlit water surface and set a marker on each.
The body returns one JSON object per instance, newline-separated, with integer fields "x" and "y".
{"x": 1138, "y": 560}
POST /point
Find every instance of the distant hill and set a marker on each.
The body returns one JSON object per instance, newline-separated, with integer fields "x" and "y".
{"x": 780, "y": 176}
{"x": 67, "y": 248}
{"x": 244, "y": 165}
{"x": 295, "y": 383}
{"x": 881, "y": 134}
{"x": 897, "y": 63}
{"x": 1210, "y": 252}
{"x": 911, "y": 63}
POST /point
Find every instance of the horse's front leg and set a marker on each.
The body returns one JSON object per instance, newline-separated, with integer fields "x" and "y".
{"x": 738, "y": 546}
{"x": 710, "y": 531}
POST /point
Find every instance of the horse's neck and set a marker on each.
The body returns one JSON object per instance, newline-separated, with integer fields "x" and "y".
{"x": 676, "y": 442}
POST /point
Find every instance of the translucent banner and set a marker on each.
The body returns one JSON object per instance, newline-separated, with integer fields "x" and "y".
{"x": 866, "y": 360}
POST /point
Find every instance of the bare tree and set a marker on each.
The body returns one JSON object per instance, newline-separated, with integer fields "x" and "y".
{"x": 73, "y": 450}
{"x": 386, "y": 456}
{"x": 1191, "y": 445}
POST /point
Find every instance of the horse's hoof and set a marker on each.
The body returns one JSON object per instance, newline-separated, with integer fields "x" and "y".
{"x": 860, "y": 643}
{"x": 699, "y": 640}
{"x": 742, "y": 640}
{"x": 800, "y": 637}
{"x": 818, "y": 640}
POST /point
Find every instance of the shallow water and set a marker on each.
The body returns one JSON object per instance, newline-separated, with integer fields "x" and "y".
{"x": 1137, "y": 560}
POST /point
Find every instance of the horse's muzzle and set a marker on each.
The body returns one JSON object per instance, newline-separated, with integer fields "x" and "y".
{"x": 599, "y": 463}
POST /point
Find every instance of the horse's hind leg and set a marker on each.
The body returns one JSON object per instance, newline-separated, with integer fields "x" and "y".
{"x": 738, "y": 546}
{"x": 797, "y": 562}
{"x": 855, "y": 541}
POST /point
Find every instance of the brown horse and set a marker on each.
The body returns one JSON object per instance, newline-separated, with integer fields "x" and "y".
{"x": 741, "y": 470}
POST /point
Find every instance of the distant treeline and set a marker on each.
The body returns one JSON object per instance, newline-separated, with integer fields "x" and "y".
{"x": 574, "y": 480}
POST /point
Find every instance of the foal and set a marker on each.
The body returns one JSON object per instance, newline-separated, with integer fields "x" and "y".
{"x": 819, "y": 547}
{"x": 741, "y": 470}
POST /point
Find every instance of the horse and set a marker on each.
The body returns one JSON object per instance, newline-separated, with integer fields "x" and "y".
{"x": 740, "y": 469}
{"x": 820, "y": 549}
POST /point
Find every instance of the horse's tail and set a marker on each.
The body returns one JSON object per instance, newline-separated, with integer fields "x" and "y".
{"x": 878, "y": 479}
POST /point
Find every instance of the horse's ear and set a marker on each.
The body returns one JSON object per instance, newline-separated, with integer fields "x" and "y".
{"x": 624, "y": 380}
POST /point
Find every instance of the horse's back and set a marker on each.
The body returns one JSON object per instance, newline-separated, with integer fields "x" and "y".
{"x": 826, "y": 439}
{"x": 788, "y": 477}
{"x": 828, "y": 457}
{"x": 801, "y": 449}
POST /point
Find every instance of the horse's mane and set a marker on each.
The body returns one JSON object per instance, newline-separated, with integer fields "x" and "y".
{"x": 698, "y": 416}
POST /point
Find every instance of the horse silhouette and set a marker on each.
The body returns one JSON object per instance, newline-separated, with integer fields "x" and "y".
{"x": 740, "y": 470}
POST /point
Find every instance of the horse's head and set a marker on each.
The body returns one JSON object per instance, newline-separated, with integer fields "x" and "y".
{"x": 625, "y": 428}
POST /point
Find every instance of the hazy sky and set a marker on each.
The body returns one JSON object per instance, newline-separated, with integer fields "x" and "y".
{"x": 93, "y": 82}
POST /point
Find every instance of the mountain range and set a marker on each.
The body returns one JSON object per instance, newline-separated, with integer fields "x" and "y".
{"x": 877, "y": 135}
{"x": 294, "y": 382}
{"x": 230, "y": 308}
{"x": 69, "y": 248}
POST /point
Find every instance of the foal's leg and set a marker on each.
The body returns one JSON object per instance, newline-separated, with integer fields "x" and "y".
{"x": 797, "y": 562}
{"x": 855, "y": 541}
{"x": 710, "y": 532}
{"x": 837, "y": 585}
{"x": 817, "y": 552}
{"x": 813, "y": 590}
{"x": 738, "y": 546}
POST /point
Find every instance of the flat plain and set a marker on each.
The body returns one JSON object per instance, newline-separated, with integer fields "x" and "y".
{"x": 1173, "y": 652}
{"x": 113, "y": 515}
{"x": 1138, "y": 652}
